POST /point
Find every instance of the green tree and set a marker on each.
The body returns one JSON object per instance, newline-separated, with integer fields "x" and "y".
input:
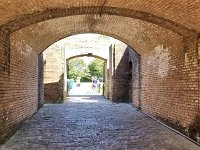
{"x": 77, "y": 68}
{"x": 96, "y": 67}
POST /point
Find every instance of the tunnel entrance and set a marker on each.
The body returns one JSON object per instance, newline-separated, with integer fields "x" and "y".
{"x": 63, "y": 58}
{"x": 85, "y": 74}
{"x": 65, "y": 70}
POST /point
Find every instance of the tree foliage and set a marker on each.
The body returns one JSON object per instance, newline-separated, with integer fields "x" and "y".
{"x": 96, "y": 67}
{"x": 77, "y": 68}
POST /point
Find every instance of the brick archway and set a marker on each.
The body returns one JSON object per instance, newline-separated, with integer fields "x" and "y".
{"x": 25, "y": 19}
{"x": 105, "y": 69}
{"x": 40, "y": 36}
{"x": 167, "y": 44}
{"x": 88, "y": 55}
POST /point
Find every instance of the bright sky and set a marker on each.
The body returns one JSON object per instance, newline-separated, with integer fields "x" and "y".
{"x": 87, "y": 60}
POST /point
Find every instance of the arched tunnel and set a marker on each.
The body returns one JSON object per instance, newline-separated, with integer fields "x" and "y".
{"x": 164, "y": 34}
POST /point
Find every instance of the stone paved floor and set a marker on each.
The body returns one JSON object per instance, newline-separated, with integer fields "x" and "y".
{"x": 89, "y": 122}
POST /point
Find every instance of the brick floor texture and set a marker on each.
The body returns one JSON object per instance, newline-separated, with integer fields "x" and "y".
{"x": 90, "y": 122}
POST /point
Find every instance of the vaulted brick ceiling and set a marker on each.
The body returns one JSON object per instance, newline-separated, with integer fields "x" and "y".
{"x": 143, "y": 25}
{"x": 177, "y": 13}
{"x": 140, "y": 35}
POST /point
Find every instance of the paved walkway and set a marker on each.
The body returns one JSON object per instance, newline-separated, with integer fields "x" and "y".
{"x": 89, "y": 122}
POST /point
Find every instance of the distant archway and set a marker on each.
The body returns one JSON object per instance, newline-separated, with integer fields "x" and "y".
{"x": 101, "y": 87}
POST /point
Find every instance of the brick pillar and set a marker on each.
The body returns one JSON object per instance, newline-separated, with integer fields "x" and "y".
{"x": 134, "y": 59}
{"x": 54, "y": 74}
{"x": 40, "y": 81}
{"x": 110, "y": 73}
{"x": 120, "y": 74}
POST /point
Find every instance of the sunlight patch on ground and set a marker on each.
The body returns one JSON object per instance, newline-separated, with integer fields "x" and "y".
{"x": 81, "y": 100}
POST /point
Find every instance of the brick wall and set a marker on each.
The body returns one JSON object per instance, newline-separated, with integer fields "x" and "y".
{"x": 120, "y": 78}
{"x": 110, "y": 74}
{"x": 105, "y": 86}
{"x": 19, "y": 83}
{"x": 165, "y": 82}
{"x": 40, "y": 80}
{"x": 4, "y": 46}
{"x": 134, "y": 64}
{"x": 126, "y": 75}
{"x": 53, "y": 74}
{"x": 170, "y": 83}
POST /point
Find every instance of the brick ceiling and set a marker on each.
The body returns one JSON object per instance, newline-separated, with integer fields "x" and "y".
{"x": 176, "y": 14}
{"x": 140, "y": 35}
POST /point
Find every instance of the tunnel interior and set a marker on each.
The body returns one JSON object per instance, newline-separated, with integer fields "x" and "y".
{"x": 165, "y": 75}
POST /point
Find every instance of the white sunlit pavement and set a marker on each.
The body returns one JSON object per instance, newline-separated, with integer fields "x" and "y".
{"x": 83, "y": 93}
{"x": 84, "y": 88}
{"x": 87, "y": 121}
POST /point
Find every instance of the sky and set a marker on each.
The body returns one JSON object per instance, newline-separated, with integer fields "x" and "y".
{"x": 87, "y": 60}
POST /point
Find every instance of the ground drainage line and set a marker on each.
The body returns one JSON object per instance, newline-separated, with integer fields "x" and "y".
{"x": 167, "y": 126}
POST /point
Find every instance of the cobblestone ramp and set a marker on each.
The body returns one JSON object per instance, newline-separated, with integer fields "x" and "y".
{"x": 89, "y": 122}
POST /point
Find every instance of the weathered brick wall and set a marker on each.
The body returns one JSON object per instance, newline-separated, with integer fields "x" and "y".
{"x": 120, "y": 73}
{"x": 126, "y": 81}
{"x": 170, "y": 82}
{"x": 169, "y": 78}
{"x": 110, "y": 74}
{"x": 53, "y": 74}
{"x": 19, "y": 83}
{"x": 135, "y": 91}
{"x": 40, "y": 80}
{"x": 4, "y": 50}
{"x": 105, "y": 86}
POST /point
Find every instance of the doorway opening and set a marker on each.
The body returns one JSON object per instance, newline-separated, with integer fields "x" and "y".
{"x": 86, "y": 75}
{"x": 90, "y": 63}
